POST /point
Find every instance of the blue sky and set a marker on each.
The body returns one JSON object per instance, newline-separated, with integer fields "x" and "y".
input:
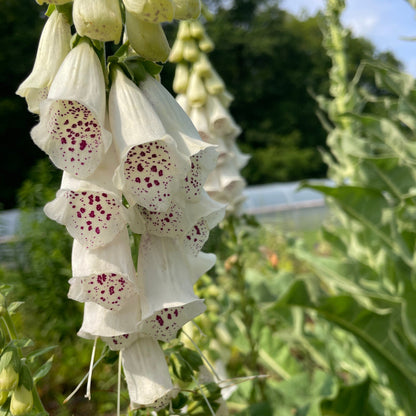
{"x": 384, "y": 22}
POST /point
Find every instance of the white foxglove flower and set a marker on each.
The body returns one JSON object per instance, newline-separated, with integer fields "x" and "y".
{"x": 147, "y": 375}
{"x": 181, "y": 218}
{"x": 104, "y": 275}
{"x": 151, "y": 166}
{"x": 203, "y": 156}
{"x": 98, "y": 19}
{"x": 147, "y": 39}
{"x": 71, "y": 128}
{"x": 166, "y": 278}
{"x": 54, "y": 45}
{"x": 91, "y": 210}
{"x": 225, "y": 184}
{"x": 102, "y": 322}
{"x": 152, "y": 11}
{"x": 220, "y": 120}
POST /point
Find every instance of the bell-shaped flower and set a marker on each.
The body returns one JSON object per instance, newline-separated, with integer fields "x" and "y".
{"x": 71, "y": 128}
{"x": 166, "y": 277}
{"x": 152, "y": 11}
{"x": 54, "y": 45}
{"x": 196, "y": 94}
{"x": 102, "y": 322}
{"x": 226, "y": 185}
{"x": 180, "y": 82}
{"x": 98, "y": 19}
{"x": 220, "y": 120}
{"x": 147, "y": 375}
{"x": 187, "y": 9}
{"x": 91, "y": 210}
{"x": 188, "y": 222}
{"x": 203, "y": 156}
{"x": 104, "y": 275}
{"x": 151, "y": 167}
{"x": 147, "y": 39}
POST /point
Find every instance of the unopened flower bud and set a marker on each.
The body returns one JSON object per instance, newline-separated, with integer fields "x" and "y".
{"x": 196, "y": 29}
{"x": 187, "y": 9}
{"x": 180, "y": 82}
{"x": 202, "y": 66}
{"x": 147, "y": 39}
{"x": 214, "y": 84}
{"x": 196, "y": 93}
{"x": 176, "y": 53}
{"x": 206, "y": 44}
{"x": 183, "y": 31}
{"x": 190, "y": 50}
{"x": 21, "y": 402}
{"x": 98, "y": 19}
{"x": 8, "y": 378}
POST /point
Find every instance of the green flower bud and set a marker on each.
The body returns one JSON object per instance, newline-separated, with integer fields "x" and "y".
{"x": 190, "y": 50}
{"x": 8, "y": 378}
{"x": 196, "y": 29}
{"x": 180, "y": 82}
{"x": 147, "y": 39}
{"x": 3, "y": 397}
{"x": 22, "y": 401}
{"x": 206, "y": 44}
{"x": 176, "y": 54}
{"x": 196, "y": 93}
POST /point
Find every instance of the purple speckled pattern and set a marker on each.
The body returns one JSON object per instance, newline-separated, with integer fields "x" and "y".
{"x": 75, "y": 137}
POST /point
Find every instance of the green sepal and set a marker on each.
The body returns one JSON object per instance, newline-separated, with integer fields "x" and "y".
{"x": 152, "y": 68}
{"x": 5, "y": 408}
{"x": 135, "y": 67}
{"x": 50, "y": 10}
{"x": 66, "y": 10}
{"x": 10, "y": 357}
{"x": 179, "y": 401}
{"x": 25, "y": 378}
{"x": 192, "y": 358}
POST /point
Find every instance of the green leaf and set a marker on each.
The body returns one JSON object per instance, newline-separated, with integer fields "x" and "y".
{"x": 350, "y": 401}
{"x": 380, "y": 335}
{"x": 35, "y": 354}
{"x": 43, "y": 370}
{"x": 371, "y": 209}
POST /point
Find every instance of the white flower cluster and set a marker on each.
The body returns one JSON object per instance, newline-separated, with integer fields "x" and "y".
{"x": 131, "y": 159}
{"x": 202, "y": 94}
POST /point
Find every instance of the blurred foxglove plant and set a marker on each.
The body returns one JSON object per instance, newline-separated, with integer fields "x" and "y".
{"x": 133, "y": 167}
{"x": 203, "y": 95}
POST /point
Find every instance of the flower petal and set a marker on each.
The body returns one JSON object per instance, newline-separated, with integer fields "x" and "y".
{"x": 71, "y": 128}
{"x": 102, "y": 322}
{"x": 105, "y": 275}
{"x": 151, "y": 166}
{"x": 98, "y": 19}
{"x": 166, "y": 277}
{"x": 147, "y": 375}
{"x": 54, "y": 45}
{"x": 93, "y": 215}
